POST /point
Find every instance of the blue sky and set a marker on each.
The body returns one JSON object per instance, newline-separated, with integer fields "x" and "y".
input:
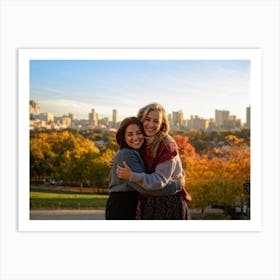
{"x": 197, "y": 87}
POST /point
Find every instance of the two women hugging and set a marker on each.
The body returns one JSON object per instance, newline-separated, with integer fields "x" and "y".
{"x": 147, "y": 180}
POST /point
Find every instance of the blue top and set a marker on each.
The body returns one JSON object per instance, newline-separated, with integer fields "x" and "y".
{"x": 135, "y": 162}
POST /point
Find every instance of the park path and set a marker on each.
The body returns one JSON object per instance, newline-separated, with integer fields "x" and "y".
{"x": 61, "y": 214}
{"x": 93, "y": 214}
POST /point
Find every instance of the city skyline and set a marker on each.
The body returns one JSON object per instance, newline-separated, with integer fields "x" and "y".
{"x": 117, "y": 118}
{"x": 196, "y": 87}
{"x": 222, "y": 119}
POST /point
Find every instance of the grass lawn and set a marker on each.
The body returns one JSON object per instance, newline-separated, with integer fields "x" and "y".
{"x": 50, "y": 200}
{"x": 54, "y": 200}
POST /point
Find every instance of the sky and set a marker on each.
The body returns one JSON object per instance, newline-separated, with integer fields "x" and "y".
{"x": 196, "y": 87}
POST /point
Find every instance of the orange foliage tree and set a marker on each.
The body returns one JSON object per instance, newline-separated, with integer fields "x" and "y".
{"x": 217, "y": 177}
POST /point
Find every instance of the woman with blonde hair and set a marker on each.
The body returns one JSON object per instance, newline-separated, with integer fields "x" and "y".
{"x": 123, "y": 195}
{"x": 162, "y": 162}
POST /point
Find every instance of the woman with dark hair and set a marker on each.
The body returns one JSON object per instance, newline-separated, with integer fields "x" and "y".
{"x": 162, "y": 165}
{"x": 123, "y": 195}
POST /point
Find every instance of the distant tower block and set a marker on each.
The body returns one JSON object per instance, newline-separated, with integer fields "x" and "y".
{"x": 115, "y": 118}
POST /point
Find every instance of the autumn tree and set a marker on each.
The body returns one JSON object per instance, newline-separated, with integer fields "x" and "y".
{"x": 216, "y": 177}
{"x": 186, "y": 150}
{"x": 61, "y": 155}
{"x": 42, "y": 157}
{"x": 100, "y": 168}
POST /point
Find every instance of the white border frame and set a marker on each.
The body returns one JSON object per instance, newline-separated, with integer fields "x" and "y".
{"x": 254, "y": 55}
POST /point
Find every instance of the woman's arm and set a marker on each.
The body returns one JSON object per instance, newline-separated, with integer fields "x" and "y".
{"x": 153, "y": 180}
{"x": 156, "y": 180}
{"x": 135, "y": 161}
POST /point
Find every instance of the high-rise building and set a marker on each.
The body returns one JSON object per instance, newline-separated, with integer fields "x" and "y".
{"x": 71, "y": 116}
{"x": 198, "y": 123}
{"x": 177, "y": 119}
{"x": 169, "y": 116}
{"x": 93, "y": 118}
{"x": 221, "y": 116}
{"x": 66, "y": 121}
{"x": 46, "y": 117}
{"x": 230, "y": 123}
{"x": 248, "y": 116}
{"x": 115, "y": 117}
{"x": 34, "y": 108}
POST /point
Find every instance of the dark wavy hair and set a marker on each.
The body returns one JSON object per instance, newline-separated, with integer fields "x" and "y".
{"x": 120, "y": 136}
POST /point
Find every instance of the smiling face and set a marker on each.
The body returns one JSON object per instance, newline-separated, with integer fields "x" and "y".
{"x": 134, "y": 136}
{"x": 152, "y": 123}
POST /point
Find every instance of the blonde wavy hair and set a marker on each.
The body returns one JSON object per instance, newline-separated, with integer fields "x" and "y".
{"x": 162, "y": 135}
